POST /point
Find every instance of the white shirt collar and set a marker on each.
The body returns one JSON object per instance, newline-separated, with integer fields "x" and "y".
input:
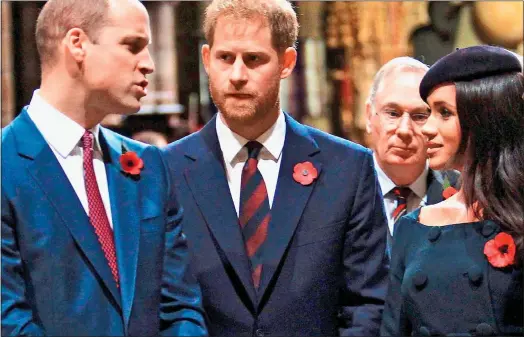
{"x": 419, "y": 186}
{"x": 59, "y": 131}
{"x": 231, "y": 143}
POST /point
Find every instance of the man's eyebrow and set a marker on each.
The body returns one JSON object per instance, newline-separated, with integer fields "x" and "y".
{"x": 398, "y": 106}
{"x": 136, "y": 38}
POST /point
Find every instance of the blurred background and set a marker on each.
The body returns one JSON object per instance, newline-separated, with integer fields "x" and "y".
{"x": 341, "y": 46}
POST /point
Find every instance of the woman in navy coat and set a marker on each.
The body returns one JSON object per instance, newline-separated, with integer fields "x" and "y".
{"x": 456, "y": 266}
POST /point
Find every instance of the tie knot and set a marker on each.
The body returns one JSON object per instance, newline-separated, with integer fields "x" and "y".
{"x": 253, "y": 149}
{"x": 401, "y": 192}
{"x": 87, "y": 140}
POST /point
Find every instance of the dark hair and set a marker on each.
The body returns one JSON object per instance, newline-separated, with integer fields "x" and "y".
{"x": 491, "y": 114}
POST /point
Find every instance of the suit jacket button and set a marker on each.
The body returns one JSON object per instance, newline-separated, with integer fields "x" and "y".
{"x": 434, "y": 234}
{"x": 419, "y": 280}
{"x": 488, "y": 229}
{"x": 423, "y": 331}
{"x": 475, "y": 275}
{"x": 484, "y": 329}
{"x": 259, "y": 332}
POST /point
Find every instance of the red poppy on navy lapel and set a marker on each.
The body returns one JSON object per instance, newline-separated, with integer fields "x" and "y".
{"x": 449, "y": 190}
{"x": 305, "y": 173}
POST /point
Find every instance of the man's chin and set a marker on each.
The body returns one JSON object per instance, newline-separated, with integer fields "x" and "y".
{"x": 399, "y": 160}
{"x": 238, "y": 115}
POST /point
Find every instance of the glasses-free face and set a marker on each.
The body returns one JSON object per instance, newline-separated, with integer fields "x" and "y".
{"x": 442, "y": 129}
{"x": 244, "y": 69}
{"x": 118, "y": 62}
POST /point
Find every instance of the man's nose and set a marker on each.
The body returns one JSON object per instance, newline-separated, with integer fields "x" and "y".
{"x": 238, "y": 74}
{"x": 405, "y": 128}
{"x": 146, "y": 63}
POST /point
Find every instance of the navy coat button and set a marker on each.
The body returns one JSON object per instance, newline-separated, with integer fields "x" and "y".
{"x": 423, "y": 331}
{"x": 484, "y": 329}
{"x": 475, "y": 275}
{"x": 434, "y": 234}
{"x": 488, "y": 229}
{"x": 259, "y": 333}
{"x": 419, "y": 280}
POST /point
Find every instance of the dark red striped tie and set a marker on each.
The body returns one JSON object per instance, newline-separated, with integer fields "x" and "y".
{"x": 254, "y": 212}
{"x": 97, "y": 212}
{"x": 401, "y": 194}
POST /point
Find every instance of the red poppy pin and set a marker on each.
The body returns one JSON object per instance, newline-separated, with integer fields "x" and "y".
{"x": 448, "y": 189}
{"x": 131, "y": 162}
{"x": 305, "y": 173}
{"x": 500, "y": 250}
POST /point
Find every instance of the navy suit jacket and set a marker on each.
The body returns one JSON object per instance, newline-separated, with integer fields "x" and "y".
{"x": 325, "y": 272}
{"x": 435, "y": 185}
{"x": 55, "y": 278}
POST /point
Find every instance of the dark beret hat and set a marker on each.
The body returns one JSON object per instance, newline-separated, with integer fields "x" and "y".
{"x": 468, "y": 64}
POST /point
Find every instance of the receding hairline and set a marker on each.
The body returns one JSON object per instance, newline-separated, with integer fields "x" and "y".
{"x": 400, "y": 64}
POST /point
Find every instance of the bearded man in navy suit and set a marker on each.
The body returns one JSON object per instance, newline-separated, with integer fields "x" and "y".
{"x": 91, "y": 233}
{"x": 285, "y": 222}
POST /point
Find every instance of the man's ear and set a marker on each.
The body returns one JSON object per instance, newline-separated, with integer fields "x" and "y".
{"x": 206, "y": 54}
{"x": 369, "y": 112}
{"x": 289, "y": 60}
{"x": 75, "y": 41}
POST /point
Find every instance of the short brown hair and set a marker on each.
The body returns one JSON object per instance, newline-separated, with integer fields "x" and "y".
{"x": 59, "y": 16}
{"x": 279, "y": 14}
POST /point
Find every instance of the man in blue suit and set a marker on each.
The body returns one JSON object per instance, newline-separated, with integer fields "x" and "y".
{"x": 91, "y": 233}
{"x": 285, "y": 222}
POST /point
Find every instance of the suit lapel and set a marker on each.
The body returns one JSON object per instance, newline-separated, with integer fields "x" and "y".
{"x": 124, "y": 196}
{"x": 48, "y": 173}
{"x": 290, "y": 198}
{"x": 434, "y": 183}
{"x": 207, "y": 181}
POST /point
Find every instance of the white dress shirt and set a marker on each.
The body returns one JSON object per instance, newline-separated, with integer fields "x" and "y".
{"x": 235, "y": 156}
{"x": 416, "y": 199}
{"x": 64, "y": 137}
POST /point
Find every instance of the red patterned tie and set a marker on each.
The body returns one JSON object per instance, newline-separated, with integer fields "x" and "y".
{"x": 401, "y": 194}
{"x": 97, "y": 212}
{"x": 254, "y": 210}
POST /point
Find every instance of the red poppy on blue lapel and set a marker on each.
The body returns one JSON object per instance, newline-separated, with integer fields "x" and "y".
{"x": 305, "y": 173}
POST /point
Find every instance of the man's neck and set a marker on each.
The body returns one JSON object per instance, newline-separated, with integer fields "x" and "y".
{"x": 70, "y": 100}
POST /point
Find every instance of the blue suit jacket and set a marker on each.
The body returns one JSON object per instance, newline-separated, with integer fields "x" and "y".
{"x": 55, "y": 279}
{"x": 325, "y": 272}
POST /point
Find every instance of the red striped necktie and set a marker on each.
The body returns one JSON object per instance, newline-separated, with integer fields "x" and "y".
{"x": 97, "y": 213}
{"x": 254, "y": 211}
{"x": 401, "y": 194}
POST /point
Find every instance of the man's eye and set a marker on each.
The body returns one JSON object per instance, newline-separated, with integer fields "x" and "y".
{"x": 421, "y": 117}
{"x": 134, "y": 47}
{"x": 392, "y": 113}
